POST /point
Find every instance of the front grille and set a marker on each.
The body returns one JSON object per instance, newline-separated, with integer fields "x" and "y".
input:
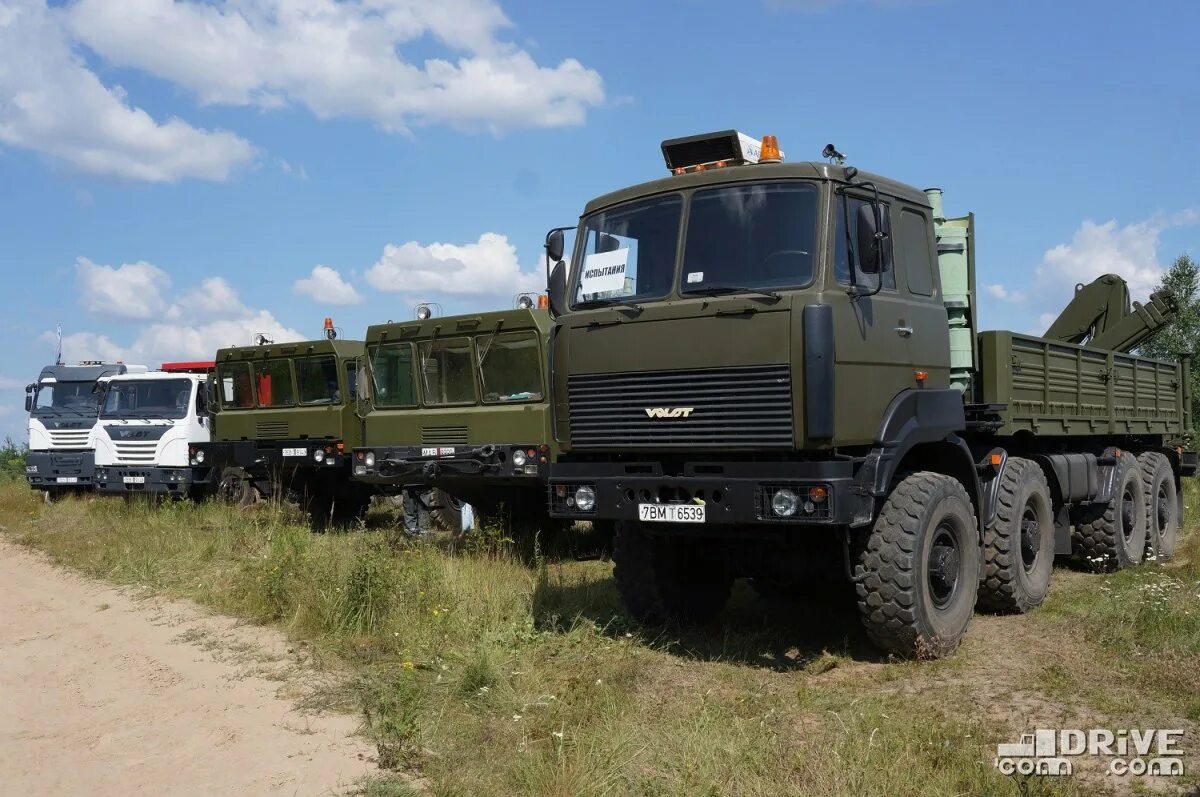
{"x": 271, "y": 429}
{"x": 140, "y": 453}
{"x": 69, "y": 438}
{"x": 744, "y": 406}
{"x": 444, "y": 434}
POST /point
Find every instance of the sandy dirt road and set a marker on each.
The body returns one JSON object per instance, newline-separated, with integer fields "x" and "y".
{"x": 102, "y": 693}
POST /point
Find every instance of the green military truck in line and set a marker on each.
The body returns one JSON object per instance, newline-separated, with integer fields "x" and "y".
{"x": 459, "y": 403}
{"x": 285, "y": 421}
{"x": 773, "y": 370}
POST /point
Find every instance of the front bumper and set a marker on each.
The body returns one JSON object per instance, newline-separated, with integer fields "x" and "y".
{"x": 405, "y": 465}
{"x": 260, "y": 460}
{"x": 141, "y": 479}
{"x": 59, "y": 470}
{"x": 732, "y": 493}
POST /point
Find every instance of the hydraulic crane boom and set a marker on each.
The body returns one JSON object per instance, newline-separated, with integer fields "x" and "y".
{"x": 1099, "y": 316}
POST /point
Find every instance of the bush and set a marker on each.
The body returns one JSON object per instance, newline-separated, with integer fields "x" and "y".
{"x": 12, "y": 459}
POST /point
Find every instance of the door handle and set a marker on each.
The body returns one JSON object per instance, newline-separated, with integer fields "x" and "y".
{"x": 904, "y": 332}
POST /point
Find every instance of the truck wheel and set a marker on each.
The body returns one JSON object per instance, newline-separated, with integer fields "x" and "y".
{"x": 918, "y": 574}
{"x": 1112, "y": 536}
{"x": 445, "y": 512}
{"x": 1018, "y": 545}
{"x": 1162, "y": 505}
{"x": 666, "y": 579}
{"x": 236, "y": 488}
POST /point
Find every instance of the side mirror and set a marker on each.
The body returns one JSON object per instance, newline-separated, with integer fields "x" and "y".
{"x": 28, "y": 403}
{"x": 607, "y": 243}
{"x": 557, "y": 289}
{"x": 554, "y": 246}
{"x": 870, "y": 239}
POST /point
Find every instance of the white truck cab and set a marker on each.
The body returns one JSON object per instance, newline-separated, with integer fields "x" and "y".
{"x": 146, "y": 424}
{"x": 62, "y": 406}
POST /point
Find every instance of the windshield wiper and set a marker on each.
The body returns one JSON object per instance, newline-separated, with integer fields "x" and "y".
{"x": 591, "y": 304}
{"x": 721, "y": 290}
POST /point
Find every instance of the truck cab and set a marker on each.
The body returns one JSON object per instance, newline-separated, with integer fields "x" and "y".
{"x": 62, "y": 406}
{"x": 285, "y": 421}
{"x": 460, "y": 403}
{"x": 147, "y": 424}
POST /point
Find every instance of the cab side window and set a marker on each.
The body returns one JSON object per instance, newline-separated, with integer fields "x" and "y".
{"x": 845, "y": 243}
{"x": 913, "y": 251}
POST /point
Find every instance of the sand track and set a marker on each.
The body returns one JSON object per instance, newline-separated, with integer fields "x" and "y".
{"x": 103, "y": 693}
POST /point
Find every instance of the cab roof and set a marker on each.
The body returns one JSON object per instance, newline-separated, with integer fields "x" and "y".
{"x": 801, "y": 170}
{"x": 467, "y": 323}
{"x": 345, "y": 349}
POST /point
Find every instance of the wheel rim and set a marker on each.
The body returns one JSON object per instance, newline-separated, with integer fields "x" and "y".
{"x": 943, "y": 565}
{"x": 1031, "y": 536}
{"x": 231, "y": 488}
{"x": 1127, "y": 514}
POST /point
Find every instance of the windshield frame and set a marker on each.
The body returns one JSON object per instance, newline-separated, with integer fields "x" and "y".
{"x": 820, "y": 241}
{"x": 51, "y": 410}
{"x": 189, "y": 407}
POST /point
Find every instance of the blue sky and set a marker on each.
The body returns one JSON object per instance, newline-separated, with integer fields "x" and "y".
{"x": 172, "y": 175}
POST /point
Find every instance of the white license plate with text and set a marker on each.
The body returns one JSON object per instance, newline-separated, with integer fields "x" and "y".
{"x": 134, "y": 479}
{"x": 67, "y": 480}
{"x": 295, "y": 452}
{"x": 671, "y": 513}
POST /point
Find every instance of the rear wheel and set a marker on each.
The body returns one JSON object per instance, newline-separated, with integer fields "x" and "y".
{"x": 1018, "y": 545}
{"x": 1162, "y": 505}
{"x": 918, "y": 574}
{"x": 666, "y": 579}
{"x": 1112, "y": 536}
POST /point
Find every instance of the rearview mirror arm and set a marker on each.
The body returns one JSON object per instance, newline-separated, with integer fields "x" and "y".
{"x": 851, "y": 250}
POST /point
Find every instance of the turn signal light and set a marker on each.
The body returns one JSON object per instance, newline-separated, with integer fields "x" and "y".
{"x": 996, "y": 459}
{"x": 818, "y": 495}
{"x": 543, "y": 301}
{"x": 921, "y": 375}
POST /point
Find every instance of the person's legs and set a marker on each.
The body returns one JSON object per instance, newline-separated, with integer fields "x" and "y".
{"x": 412, "y": 512}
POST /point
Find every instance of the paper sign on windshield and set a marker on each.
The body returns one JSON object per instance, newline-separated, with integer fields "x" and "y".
{"x": 604, "y": 272}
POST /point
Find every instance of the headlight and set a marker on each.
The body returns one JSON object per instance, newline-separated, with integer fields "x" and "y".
{"x": 199, "y": 457}
{"x": 784, "y": 503}
{"x": 369, "y": 459}
{"x": 519, "y": 458}
{"x": 31, "y": 468}
{"x": 585, "y": 498}
{"x": 359, "y": 470}
{"x": 319, "y": 455}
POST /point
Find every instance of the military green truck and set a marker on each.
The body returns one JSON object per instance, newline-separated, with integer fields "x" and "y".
{"x": 773, "y": 370}
{"x": 459, "y": 404}
{"x": 284, "y": 422}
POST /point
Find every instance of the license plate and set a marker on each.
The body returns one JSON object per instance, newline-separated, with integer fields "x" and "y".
{"x": 134, "y": 479}
{"x": 295, "y": 452}
{"x": 671, "y": 513}
{"x": 68, "y": 480}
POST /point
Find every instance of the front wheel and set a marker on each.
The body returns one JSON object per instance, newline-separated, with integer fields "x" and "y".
{"x": 918, "y": 574}
{"x": 235, "y": 487}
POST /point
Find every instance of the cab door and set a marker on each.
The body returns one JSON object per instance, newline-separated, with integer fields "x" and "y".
{"x": 872, "y": 333}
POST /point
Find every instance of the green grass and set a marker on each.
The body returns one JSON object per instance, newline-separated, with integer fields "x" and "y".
{"x": 489, "y": 671}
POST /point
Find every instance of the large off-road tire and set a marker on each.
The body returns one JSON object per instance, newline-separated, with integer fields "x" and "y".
{"x": 235, "y": 487}
{"x": 445, "y": 512}
{"x": 1112, "y": 536}
{"x": 1162, "y": 505}
{"x": 1018, "y": 545}
{"x": 668, "y": 579}
{"x": 918, "y": 573}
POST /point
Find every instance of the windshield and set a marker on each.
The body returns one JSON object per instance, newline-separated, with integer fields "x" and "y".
{"x": 750, "y": 236}
{"x": 150, "y": 398}
{"x": 392, "y": 372}
{"x": 70, "y": 397}
{"x": 318, "y": 380}
{"x": 446, "y": 371}
{"x": 629, "y": 251}
{"x": 510, "y": 367}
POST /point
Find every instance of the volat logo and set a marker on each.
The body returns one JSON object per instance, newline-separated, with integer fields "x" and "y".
{"x": 669, "y": 412}
{"x": 132, "y": 434}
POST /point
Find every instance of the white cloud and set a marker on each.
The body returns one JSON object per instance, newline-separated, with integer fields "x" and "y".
{"x": 488, "y": 266}
{"x": 1004, "y": 294}
{"x": 192, "y": 326}
{"x": 325, "y": 285}
{"x": 132, "y": 291}
{"x": 50, "y": 102}
{"x": 343, "y": 59}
